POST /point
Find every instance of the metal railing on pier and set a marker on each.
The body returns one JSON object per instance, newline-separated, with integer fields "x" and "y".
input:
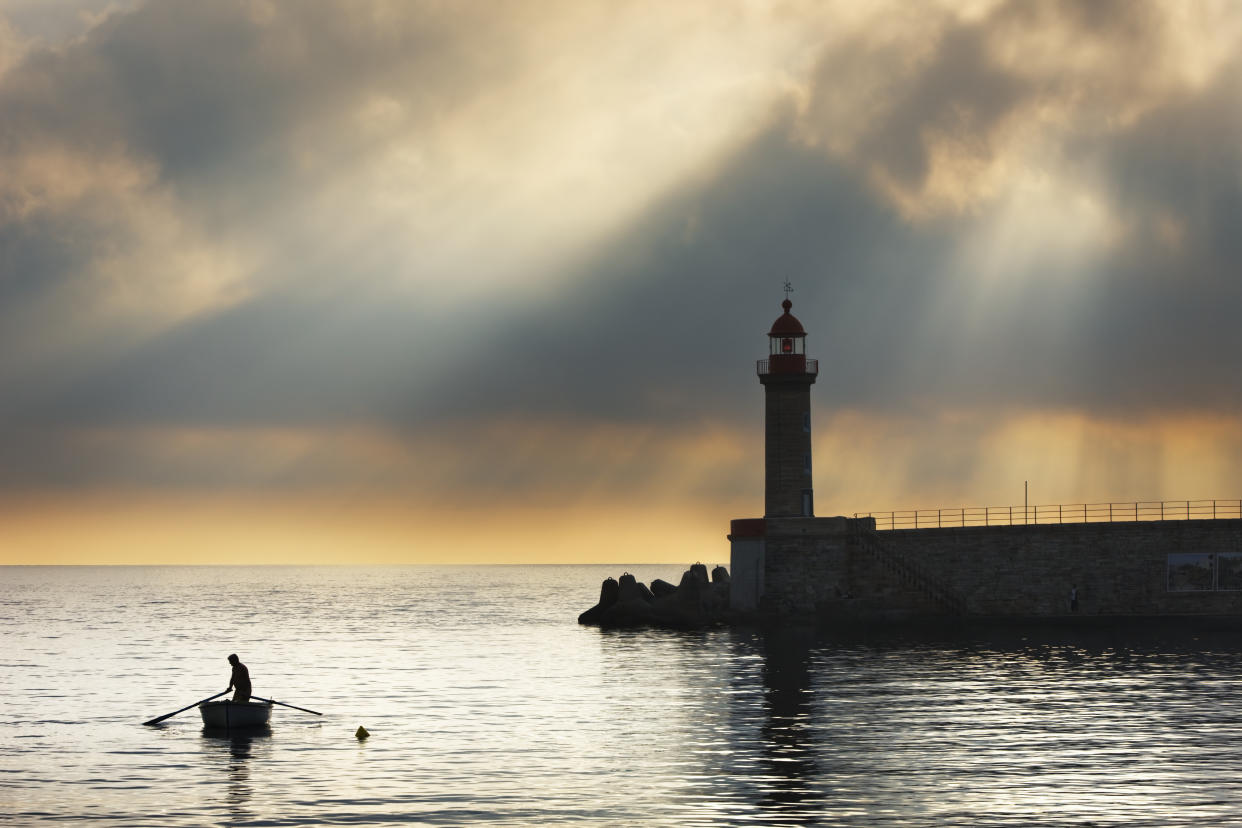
{"x": 1056, "y": 513}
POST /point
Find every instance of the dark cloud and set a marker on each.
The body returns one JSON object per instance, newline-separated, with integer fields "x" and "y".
{"x": 281, "y": 358}
{"x": 236, "y": 88}
{"x": 663, "y": 323}
{"x": 1181, "y": 162}
{"x": 1160, "y": 329}
{"x": 234, "y": 115}
{"x": 958, "y": 94}
{"x": 200, "y": 131}
{"x": 658, "y": 325}
{"x": 674, "y": 312}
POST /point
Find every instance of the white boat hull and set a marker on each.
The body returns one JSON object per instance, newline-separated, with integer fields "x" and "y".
{"x": 231, "y": 715}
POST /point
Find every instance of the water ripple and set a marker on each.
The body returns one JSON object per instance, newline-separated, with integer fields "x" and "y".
{"x": 487, "y": 703}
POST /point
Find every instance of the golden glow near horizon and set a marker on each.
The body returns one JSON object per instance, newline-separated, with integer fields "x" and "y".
{"x": 423, "y": 282}
{"x": 143, "y": 529}
{"x": 653, "y": 503}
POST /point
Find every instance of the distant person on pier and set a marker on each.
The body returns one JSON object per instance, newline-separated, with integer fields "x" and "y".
{"x": 1073, "y": 596}
{"x": 240, "y": 679}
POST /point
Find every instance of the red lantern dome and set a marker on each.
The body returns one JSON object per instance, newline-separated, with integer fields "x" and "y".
{"x": 787, "y": 324}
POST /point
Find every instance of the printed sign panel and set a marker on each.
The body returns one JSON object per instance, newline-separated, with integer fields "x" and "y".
{"x": 1190, "y": 571}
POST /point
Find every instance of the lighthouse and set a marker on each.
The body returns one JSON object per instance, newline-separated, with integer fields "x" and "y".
{"x": 787, "y": 376}
{"x": 768, "y": 554}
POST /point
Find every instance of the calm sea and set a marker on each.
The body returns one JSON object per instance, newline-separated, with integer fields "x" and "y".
{"x": 488, "y": 703}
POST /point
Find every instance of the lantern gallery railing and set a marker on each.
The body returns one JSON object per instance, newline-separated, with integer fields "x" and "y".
{"x": 1056, "y": 513}
{"x": 787, "y": 364}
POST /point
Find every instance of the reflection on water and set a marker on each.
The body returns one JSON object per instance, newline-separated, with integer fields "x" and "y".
{"x": 228, "y": 754}
{"x": 788, "y": 726}
{"x": 487, "y": 703}
{"x": 1001, "y": 727}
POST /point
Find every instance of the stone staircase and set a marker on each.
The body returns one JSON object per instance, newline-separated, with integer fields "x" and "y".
{"x": 909, "y": 574}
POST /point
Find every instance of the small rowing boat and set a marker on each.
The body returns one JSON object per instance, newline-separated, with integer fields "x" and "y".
{"x": 232, "y": 715}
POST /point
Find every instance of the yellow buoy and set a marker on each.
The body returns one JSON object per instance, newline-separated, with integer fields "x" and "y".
{"x": 361, "y": 732}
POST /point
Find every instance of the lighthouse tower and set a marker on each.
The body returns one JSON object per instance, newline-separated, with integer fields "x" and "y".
{"x": 787, "y": 376}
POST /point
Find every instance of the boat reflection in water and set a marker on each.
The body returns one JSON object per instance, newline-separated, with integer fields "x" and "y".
{"x": 230, "y": 750}
{"x": 233, "y": 715}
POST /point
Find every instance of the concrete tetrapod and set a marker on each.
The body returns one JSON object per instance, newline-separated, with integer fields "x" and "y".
{"x": 695, "y": 602}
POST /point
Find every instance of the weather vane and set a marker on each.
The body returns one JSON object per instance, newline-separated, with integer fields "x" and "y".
{"x": 788, "y": 288}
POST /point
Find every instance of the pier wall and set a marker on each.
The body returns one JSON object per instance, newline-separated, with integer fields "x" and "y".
{"x": 841, "y": 566}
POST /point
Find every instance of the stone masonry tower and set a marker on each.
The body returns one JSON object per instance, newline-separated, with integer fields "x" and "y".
{"x": 787, "y": 376}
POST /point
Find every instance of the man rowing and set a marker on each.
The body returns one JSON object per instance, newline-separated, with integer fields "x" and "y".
{"x": 240, "y": 679}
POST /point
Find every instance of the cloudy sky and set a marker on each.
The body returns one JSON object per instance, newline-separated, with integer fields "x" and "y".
{"x": 402, "y": 282}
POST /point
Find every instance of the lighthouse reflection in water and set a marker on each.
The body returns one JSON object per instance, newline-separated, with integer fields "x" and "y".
{"x": 487, "y": 703}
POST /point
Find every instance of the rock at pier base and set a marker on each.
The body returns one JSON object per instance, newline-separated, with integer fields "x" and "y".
{"x": 608, "y": 593}
{"x": 661, "y": 588}
{"x": 694, "y": 603}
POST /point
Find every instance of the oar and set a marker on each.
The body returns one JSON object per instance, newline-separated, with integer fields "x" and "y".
{"x": 159, "y": 719}
{"x": 282, "y": 704}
